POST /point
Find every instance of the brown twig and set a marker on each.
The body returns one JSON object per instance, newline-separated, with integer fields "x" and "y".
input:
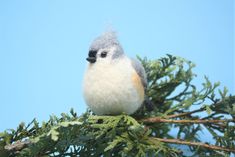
{"x": 184, "y": 114}
{"x": 17, "y": 146}
{"x": 196, "y": 121}
{"x": 182, "y": 142}
{"x": 215, "y": 104}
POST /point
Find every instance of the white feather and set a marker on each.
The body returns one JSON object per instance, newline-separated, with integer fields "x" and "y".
{"x": 108, "y": 88}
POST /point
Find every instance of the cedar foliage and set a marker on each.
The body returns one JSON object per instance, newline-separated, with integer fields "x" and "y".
{"x": 178, "y": 105}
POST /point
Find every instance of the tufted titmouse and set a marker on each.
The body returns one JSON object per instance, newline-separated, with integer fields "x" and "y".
{"x": 113, "y": 83}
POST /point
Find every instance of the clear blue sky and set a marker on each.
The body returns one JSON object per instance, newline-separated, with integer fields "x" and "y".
{"x": 43, "y": 46}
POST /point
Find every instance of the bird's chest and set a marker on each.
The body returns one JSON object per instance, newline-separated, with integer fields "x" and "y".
{"x": 112, "y": 89}
{"x": 108, "y": 79}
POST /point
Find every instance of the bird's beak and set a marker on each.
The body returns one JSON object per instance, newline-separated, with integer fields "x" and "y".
{"x": 91, "y": 59}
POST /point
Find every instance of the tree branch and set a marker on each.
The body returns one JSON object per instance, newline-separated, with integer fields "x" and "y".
{"x": 182, "y": 142}
{"x": 185, "y": 113}
{"x": 17, "y": 146}
{"x": 213, "y": 106}
{"x": 196, "y": 121}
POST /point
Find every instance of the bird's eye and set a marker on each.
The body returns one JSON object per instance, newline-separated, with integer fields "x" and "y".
{"x": 103, "y": 54}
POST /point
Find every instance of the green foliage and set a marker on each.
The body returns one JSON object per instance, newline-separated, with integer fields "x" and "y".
{"x": 174, "y": 97}
{"x": 87, "y": 135}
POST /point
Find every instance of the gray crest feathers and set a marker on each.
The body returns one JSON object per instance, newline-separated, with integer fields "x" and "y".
{"x": 106, "y": 40}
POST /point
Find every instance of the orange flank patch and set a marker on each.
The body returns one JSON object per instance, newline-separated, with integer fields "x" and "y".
{"x": 138, "y": 85}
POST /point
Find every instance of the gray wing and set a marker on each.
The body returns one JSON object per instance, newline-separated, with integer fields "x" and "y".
{"x": 140, "y": 71}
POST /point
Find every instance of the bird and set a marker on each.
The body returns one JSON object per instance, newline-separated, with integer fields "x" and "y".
{"x": 113, "y": 83}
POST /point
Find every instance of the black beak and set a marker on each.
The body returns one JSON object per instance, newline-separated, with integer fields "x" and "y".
{"x": 91, "y": 59}
{"x": 92, "y": 56}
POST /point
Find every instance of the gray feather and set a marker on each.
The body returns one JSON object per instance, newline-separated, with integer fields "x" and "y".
{"x": 140, "y": 71}
{"x": 106, "y": 40}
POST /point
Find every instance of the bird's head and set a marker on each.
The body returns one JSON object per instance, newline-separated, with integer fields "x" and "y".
{"x": 105, "y": 48}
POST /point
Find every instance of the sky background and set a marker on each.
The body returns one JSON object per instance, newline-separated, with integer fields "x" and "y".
{"x": 43, "y": 46}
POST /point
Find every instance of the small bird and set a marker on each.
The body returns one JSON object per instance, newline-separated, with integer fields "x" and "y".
{"x": 113, "y": 83}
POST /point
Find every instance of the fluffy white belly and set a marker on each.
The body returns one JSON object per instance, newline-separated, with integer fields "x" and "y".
{"x": 109, "y": 89}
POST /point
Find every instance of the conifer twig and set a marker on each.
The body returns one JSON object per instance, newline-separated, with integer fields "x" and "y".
{"x": 17, "y": 146}
{"x": 195, "y": 121}
{"x": 184, "y": 113}
{"x": 182, "y": 142}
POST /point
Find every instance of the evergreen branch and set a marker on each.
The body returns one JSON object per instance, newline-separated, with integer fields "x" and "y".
{"x": 196, "y": 121}
{"x": 17, "y": 146}
{"x": 184, "y": 113}
{"x": 213, "y": 106}
{"x": 199, "y": 144}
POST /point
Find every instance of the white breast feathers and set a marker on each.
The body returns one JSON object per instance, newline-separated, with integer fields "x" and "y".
{"x": 112, "y": 88}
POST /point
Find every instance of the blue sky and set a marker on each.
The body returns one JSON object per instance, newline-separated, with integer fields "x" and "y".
{"x": 43, "y": 46}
